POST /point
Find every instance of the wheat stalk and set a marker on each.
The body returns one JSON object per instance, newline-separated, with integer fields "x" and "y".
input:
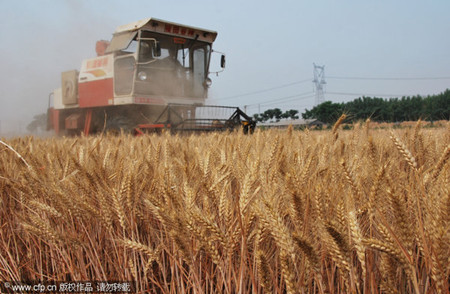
{"x": 16, "y": 153}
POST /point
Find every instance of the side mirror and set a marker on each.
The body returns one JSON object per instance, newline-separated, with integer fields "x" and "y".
{"x": 157, "y": 49}
{"x": 222, "y": 61}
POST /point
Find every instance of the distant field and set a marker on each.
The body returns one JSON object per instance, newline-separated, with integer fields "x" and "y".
{"x": 360, "y": 211}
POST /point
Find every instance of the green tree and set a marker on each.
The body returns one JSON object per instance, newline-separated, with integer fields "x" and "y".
{"x": 257, "y": 117}
{"x": 326, "y": 112}
{"x": 292, "y": 114}
{"x": 39, "y": 122}
{"x": 435, "y": 107}
{"x": 276, "y": 114}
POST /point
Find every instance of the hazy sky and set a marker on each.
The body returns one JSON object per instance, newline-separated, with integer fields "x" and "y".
{"x": 268, "y": 44}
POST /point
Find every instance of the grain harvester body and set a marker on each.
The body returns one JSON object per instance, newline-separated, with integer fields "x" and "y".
{"x": 146, "y": 67}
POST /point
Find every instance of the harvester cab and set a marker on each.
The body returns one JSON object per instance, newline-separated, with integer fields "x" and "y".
{"x": 147, "y": 65}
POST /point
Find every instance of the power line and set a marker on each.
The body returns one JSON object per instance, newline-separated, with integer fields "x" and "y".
{"x": 367, "y": 94}
{"x": 271, "y": 101}
{"x": 292, "y": 98}
{"x": 388, "y": 79}
{"x": 332, "y": 77}
{"x": 265, "y": 90}
{"x": 299, "y": 96}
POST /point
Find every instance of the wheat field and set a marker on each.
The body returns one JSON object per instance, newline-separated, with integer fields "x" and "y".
{"x": 279, "y": 211}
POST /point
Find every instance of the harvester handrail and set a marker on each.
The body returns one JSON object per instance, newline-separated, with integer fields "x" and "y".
{"x": 232, "y": 120}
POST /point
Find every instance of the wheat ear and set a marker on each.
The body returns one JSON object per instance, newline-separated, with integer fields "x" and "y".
{"x": 438, "y": 168}
{"x": 404, "y": 151}
{"x": 337, "y": 124}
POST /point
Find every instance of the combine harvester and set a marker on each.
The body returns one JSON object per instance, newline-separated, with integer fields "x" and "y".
{"x": 152, "y": 75}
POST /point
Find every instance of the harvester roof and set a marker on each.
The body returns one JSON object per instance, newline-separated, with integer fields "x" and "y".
{"x": 125, "y": 33}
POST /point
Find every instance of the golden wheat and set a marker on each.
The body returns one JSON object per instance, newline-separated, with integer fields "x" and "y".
{"x": 282, "y": 211}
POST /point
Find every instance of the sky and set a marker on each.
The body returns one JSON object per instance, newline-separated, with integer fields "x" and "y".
{"x": 380, "y": 48}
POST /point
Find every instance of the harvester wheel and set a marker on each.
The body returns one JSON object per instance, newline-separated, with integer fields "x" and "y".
{"x": 118, "y": 124}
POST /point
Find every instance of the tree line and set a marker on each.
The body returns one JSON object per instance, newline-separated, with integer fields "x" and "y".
{"x": 275, "y": 114}
{"x": 431, "y": 108}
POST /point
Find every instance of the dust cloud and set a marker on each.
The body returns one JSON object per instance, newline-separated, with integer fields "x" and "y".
{"x": 34, "y": 52}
